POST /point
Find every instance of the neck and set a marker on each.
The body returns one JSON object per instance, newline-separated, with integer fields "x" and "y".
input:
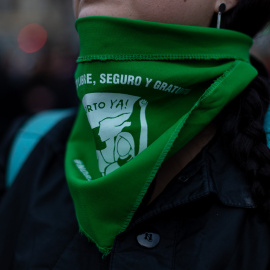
{"x": 181, "y": 159}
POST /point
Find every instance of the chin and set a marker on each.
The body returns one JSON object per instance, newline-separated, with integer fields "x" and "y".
{"x": 97, "y": 9}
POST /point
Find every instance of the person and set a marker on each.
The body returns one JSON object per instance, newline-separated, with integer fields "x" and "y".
{"x": 166, "y": 165}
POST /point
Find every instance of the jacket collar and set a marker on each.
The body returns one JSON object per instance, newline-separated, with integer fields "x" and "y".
{"x": 212, "y": 172}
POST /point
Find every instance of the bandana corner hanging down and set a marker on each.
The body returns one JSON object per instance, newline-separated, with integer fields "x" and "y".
{"x": 146, "y": 89}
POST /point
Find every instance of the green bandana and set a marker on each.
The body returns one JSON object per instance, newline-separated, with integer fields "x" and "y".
{"x": 147, "y": 89}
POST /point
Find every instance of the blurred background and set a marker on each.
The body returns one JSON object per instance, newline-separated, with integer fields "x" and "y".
{"x": 38, "y": 49}
{"x": 261, "y": 47}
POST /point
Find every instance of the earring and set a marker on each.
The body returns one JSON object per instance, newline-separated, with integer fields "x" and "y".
{"x": 221, "y": 10}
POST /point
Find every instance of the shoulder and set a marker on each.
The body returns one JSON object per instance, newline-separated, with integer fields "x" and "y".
{"x": 31, "y": 141}
{"x": 38, "y": 203}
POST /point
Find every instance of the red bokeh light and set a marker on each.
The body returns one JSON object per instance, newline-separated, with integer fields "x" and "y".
{"x": 32, "y": 38}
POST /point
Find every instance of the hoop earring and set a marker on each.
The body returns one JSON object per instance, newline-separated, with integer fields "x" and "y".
{"x": 221, "y": 10}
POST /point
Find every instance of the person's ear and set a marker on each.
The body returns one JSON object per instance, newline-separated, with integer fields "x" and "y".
{"x": 229, "y": 4}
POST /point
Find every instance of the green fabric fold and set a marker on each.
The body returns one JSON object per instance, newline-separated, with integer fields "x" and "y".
{"x": 146, "y": 90}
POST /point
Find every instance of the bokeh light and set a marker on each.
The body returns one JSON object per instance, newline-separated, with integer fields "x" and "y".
{"x": 32, "y": 38}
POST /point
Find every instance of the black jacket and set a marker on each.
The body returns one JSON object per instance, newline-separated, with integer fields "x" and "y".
{"x": 204, "y": 220}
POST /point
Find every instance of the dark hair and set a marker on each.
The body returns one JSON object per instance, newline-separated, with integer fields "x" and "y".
{"x": 242, "y": 129}
{"x": 244, "y": 136}
{"x": 248, "y": 16}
